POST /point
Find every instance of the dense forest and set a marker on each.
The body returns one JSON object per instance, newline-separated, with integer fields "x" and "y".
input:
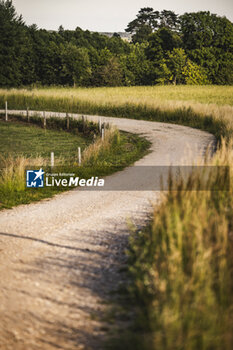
{"x": 194, "y": 48}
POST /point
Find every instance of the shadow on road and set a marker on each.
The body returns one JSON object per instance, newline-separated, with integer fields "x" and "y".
{"x": 64, "y": 292}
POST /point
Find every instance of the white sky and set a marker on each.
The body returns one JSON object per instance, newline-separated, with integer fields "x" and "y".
{"x": 107, "y": 15}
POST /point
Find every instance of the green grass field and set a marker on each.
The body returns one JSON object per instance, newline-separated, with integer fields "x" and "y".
{"x": 19, "y": 139}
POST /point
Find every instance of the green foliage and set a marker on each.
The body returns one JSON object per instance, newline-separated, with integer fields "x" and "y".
{"x": 112, "y": 73}
{"x": 146, "y": 18}
{"x": 178, "y": 69}
{"x": 194, "y": 74}
{"x": 203, "y": 29}
{"x": 176, "y": 62}
{"x": 76, "y": 66}
{"x": 11, "y": 38}
{"x": 136, "y": 67}
{"x": 32, "y": 56}
{"x": 147, "y": 21}
{"x": 165, "y": 75}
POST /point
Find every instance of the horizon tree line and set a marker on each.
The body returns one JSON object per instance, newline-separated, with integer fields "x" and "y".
{"x": 193, "y": 48}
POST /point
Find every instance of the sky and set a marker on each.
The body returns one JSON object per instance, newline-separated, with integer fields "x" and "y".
{"x": 107, "y": 15}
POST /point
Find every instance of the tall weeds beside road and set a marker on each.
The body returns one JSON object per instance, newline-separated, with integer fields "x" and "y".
{"x": 182, "y": 267}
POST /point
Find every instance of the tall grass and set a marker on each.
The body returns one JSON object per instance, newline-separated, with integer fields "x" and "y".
{"x": 205, "y": 107}
{"x": 12, "y": 176}
{"x": 182, "y": 267}
{"x": 101, "y": 146}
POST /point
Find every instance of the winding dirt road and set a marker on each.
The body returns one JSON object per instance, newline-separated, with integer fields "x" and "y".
{"x": 60, "y": 258}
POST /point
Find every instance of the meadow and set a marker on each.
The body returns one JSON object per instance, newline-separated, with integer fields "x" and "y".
{"x": 208, "y": 108}
{"x": 18, "y": 138}
{"x": 29, "y": 145}
{"x": 181, "y": 265}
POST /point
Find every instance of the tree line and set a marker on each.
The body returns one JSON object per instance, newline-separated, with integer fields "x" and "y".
{"x": 194, "y": 48}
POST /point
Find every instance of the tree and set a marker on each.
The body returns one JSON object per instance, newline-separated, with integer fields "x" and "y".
{"x": 176, "y": 63}
{"x": 194, "y": 74}
{"x": 169, "y": 20}
{"x": 178, "y": 69}
{"x": 194, "y": 48}
{"x": 168, "y": 39}
{"x": 11, "y": 41}
{"x": 164, "y": 76}
{"x": 99, "y": 60}
{"x": 203, "y": 29}
{"x": 112, "y": 73}
{"x": 76, "y": 69}
{"x": 146, "y": 16}
{"x": 224, "y": 74}
{"x": 145, "y": 23}
{"x": 148, "y": 21}
{"x": 136, "y": 67}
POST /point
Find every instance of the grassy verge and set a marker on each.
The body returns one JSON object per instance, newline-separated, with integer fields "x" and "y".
{"x": 181, "y": 269}
{"x": 28, "y": 147}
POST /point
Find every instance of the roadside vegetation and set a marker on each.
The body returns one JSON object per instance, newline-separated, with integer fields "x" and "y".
{"x": 181, "y": 266}
{"x": 28, "y": 146}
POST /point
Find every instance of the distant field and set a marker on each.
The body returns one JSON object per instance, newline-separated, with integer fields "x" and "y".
{"x": 208, "y": 108}
{"x": 220, "y": 95}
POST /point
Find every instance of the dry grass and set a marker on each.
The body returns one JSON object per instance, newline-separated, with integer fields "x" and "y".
{"x": 182, "y": 265}
{"x": 219, "y": 95}
{"x": 93, "y": 151}
{"x": 12, "y": 175}
{"x": 213, "y": 101}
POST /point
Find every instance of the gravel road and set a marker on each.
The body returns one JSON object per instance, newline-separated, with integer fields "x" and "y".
{"x": 60, "y": 258}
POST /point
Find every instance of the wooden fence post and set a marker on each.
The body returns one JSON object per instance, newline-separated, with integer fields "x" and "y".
{"x": 100, "y": 124}
{"x": 84, "y": 124}
{"x": 28, "y": 118}
{"x": 6, "y": 110}
{"x": 79, "y": 156}
{"x": 52, "y": 159}
{"x": 44, "y": 120}
{"x": 67, "y": 121}
{"x": 102, "y": 133}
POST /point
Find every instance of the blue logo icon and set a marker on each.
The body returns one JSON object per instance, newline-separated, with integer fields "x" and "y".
{"x": 35, "y": 178}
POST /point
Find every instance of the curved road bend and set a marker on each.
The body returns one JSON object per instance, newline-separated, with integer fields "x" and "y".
{"x": 60, "y": 258}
